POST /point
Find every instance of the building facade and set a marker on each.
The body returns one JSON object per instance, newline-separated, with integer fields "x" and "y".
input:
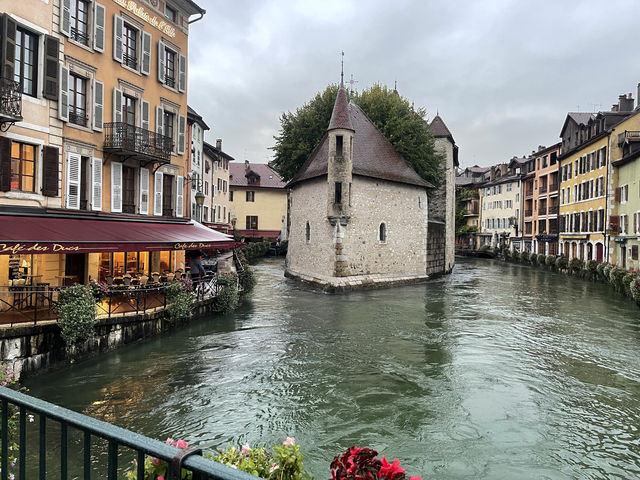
{"x": 258, "y": 200}
{"x": 217, "y": 210}
{"x": 196, "y": 127}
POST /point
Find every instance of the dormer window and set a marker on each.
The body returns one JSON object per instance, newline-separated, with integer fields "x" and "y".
{"x": 253, "y": 178}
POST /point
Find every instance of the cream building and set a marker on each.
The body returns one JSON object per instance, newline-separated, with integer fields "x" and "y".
{"x": 217, "y": 207}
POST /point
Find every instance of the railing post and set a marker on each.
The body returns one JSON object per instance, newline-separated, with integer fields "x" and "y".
{"x": 22, "y": 453}
{"x": 43, "y": 447}
{"x": 86, "y": 452}
{"x": 63, "y": 451}
{"x": 5, "y": 439}
{"x": 113, "y": 460}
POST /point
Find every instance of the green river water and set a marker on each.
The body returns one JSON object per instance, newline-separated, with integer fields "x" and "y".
{"x": 498, "y": 371}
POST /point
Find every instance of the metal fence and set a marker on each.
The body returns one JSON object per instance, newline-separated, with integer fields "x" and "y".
{"x": 18, "y": 407}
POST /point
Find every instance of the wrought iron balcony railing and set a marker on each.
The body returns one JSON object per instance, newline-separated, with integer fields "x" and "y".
{"x": 553, "y": 209}
{"x": 80, "y": 37}
{"x": 124, "y": 139}
{"x": 78, "y": 117}
{"x": 10, "y": 101}
{"x": 528, "y": 213}
{"x": 543, "y": 189}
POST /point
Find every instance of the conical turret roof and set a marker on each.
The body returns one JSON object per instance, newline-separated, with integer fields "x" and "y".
{"x": 340, "y": 116}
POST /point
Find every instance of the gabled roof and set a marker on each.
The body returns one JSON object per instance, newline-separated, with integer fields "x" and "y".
{"x": 194, "y": 117}
{"x": 373, "y": 155}
{"x": 580, "y": 118}
{"x": 239, "y": 173}
{"x": 212, "y": 151}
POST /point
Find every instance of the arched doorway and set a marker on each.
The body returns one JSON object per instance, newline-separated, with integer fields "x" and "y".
{"x": 599, "y": 252}
{"x": 589, "y": 251}
{"x": 574, "y": 250}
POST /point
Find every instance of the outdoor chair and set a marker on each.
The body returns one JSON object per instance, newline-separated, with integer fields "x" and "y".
{"x": 143, "y": 280}
{"x": 156, "y": 277}
{"x": 109, "y": 280}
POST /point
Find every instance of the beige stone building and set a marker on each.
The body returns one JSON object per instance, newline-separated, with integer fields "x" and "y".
{"x": 217, "y": 207}
{"x": 358, "y": 213}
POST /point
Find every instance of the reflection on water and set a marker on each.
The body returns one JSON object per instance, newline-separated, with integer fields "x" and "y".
{"x": 497, "y": 371}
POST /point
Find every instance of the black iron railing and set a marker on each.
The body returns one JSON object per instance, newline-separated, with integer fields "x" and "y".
{"x": 80, "y": 37}
{"x": 130, "y": 61}
{"x": 125, "y": 139}
{"x": 78, "y": 117}
{"x": 18, "y": 409}
{"x": 10, "y": 100}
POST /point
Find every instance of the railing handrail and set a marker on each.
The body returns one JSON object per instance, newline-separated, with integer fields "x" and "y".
{"x": 119, "y": 435}
{"x": 10, "y": 97}
{"x": 121, "y": 135}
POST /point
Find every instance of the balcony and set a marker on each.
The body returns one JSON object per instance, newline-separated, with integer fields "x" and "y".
{"x": 471, "y": 211}
{"x": 528, "y": 213}
{"x": 10, "y": 103}
{"x": 542, "y": 210}
{"x": 135, "y": 142}
{"x": 553, "y": 187}
{"x": 528, "y": 192}
{"x": 543, "y": 189}
{"x": 628, "y": 136}
{"x": 553, "y": 209}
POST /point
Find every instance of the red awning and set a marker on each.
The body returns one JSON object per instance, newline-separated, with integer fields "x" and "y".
{"x": 42, "y": 235}
{"x": 258, "y": 233}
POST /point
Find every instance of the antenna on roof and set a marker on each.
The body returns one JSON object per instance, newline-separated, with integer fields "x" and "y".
{"x": 342, "y": 71}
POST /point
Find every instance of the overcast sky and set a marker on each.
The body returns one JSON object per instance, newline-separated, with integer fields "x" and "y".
{"x": 501, "y": 73}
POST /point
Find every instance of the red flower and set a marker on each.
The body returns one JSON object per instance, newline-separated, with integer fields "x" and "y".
{"x": 390, "y": 471}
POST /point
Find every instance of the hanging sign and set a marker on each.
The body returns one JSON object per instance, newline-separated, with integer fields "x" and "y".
{"x": 140, "y": 12}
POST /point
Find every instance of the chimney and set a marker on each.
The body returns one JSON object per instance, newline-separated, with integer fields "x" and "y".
{"x": 625, "y": 103}
{"x": 541, "y": 147}
{"x": 246, "y": 164}
{"x": 219, "y": 144}
{"x": 614, "y": 107}
{"x": 639, "y": 95}
{"x": 503, "y": 169}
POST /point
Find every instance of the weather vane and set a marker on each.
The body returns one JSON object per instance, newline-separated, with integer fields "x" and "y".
{"x": 351, "y": 83}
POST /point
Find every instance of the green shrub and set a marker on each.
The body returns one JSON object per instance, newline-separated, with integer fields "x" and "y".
{"x": 507, "y": 254}
{"x": 576, "y": 265}
{"x": 627, "y": 280}
{"x": 247, "y": 279}
{"x": 562, "y": 263}
{"x": 592, "y": 266}
{"x": 550, "y": 261}
{"x": 179, "y": 301}
{"x": 606, "y": 272}
{"x": 228, "y": 297}
{"x": 616, "y": 277}
{"x": 542, "y": 259}
{"x": 77, "y": 313}
{"x": 524, "y": 257}
{"x": 533, "y": 259}
{"x": 635, "y": 290}
{"x": 600, "y": 270}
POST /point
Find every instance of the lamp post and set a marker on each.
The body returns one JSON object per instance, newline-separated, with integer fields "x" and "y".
{"x": 199, "y": 202}
{"x": 233, "y": 225}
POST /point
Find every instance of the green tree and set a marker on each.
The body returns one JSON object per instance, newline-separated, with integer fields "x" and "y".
{"x": 462, "y": 194}
{"x": 401, "y": 124}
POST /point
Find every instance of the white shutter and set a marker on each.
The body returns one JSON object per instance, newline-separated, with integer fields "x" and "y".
{"x": 98, "y": 28}
{"x": 182, "y": 73}
{"x": 65, "y": 17}
{"x": 179, "y": 195}
{"x": 182, "y": 125}
{"x": 116, "y": 187}
{"x": 63, "y": 94}
{"x": 146, "y": 53}
{"x": 98, "y": 105}
{"x": 144, "y": 191}
{"x": 118, "y": 27}
{"x": 117, "y": 105}
{"x": 161, "y": 60}
{"x": 144, "y": 114}
{"x": 96, "y": 184}
{"x": 73, "y": 181}
{"x": 159, "y": 119}
{"x": 157, "y": 194}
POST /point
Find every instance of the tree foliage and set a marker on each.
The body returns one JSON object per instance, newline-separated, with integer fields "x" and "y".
{"x": 401, "y": 124}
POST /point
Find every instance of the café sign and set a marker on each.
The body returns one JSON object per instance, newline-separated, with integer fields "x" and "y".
{"x": 140, "y": 12}
{"x": 23, "y": 248}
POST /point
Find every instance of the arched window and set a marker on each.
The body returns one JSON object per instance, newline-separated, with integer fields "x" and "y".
{"x": 308, "y": 232}
{"x": 382, "y": 233}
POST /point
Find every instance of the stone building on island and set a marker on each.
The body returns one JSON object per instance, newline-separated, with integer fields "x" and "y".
{"x": 358, "y": 213}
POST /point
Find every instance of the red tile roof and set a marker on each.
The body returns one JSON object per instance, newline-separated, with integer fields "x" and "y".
{"x": 268, "y": 177}
{"x": 373, "y": 155}
{"x": 340, "y": 115}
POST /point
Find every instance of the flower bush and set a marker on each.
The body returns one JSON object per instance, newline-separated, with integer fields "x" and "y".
{"x": 179, "y": 300}
{"x": 607, "y": 271}
{"x": 8, "y": 379}
{"x": 284, "y": 463}
{"x": 99, "y": 290}
{"x": 576, "y": 265}
{"x": 592, "y": 266}
{"x": 361, "y": 463}
{"x": 635, "y": 290}
{"x": 627, "y": 281}
{"x": 156, "y": 469}
{"x": 600, "y": 270}
{"x": 77, "y": 313}
{"x": 616, "y": 277}
{"x": 227, "y": 299}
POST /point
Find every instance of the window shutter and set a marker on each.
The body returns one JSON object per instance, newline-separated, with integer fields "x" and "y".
{"x": 5, "y": 164}
{"x": 118, "y": 26}
{"x": 146, "y": 53}
{"x": 617, "y": 195}
{"x": 182, "y": 125}
{"x": 50, "y": 170}
{"x": 73, "y": 181}
{"x": 7, "y": 45}
{"x": 65, "y": 17}
{"x": 179, "y": 195}
{"x": 96, "y": 184}
{"x": 98, "y": 105}
{"x": 98, "y": 28}
{"x": 144, "y": 105}
{"x": 161, "y": 60}
{"x": 144, "y": 191}
{"x": 117, "y": 105}
{"x": 614, "y": 222}
{"x": 116, "y": 187}
{"x": 157, "y": 194}
{"x": 159, "y": 124}
{"x": 182, "y": 73}
{"x": 51, "y": 68}
{"x": 63, "y": 94}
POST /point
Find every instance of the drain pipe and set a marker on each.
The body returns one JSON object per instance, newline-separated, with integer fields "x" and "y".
{"x": 197, "y": 19}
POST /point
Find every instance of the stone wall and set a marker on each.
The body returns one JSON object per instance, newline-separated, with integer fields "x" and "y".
{"x": 32, "y": 349}
{"x": 436, "y": 249}
{"x": 442, "y": 203}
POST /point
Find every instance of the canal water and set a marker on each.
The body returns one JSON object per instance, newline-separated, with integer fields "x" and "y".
{"x": 496, "y": 371}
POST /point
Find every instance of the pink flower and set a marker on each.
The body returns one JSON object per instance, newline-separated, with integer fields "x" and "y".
{"x": 246, "y": 448}
{"x": 273, "y": 468}
{"x": 181, "y": 444}
{"x": 160, "y": 477}
{"x": 169, "y": 441}
{"x": 289, "y": 441}
{"x": 415, "y": 478}
{"x": 390, "y": 470}
{"x": 156, "y": 460}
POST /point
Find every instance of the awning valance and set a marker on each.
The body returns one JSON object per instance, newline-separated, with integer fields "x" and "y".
{"x": 54, "y": 235}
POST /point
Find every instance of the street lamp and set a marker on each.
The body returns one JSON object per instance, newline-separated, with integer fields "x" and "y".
{"x": 199, "y": 202}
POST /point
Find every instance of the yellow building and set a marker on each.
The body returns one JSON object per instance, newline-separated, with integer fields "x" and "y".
{"x": 258, "y": 200}
{"x": 624, "y": 201}
{"x": 217, "y": 204}
{"x": 92, "y": 169}
{"x": 583, "y": 182}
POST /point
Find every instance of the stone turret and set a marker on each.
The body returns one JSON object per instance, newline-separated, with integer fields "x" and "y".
{"x": 340, "y": 161}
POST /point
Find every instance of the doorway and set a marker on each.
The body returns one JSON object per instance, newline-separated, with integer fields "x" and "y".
{"x": 74, "y": 268}
{"x": 599, "y": 252}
